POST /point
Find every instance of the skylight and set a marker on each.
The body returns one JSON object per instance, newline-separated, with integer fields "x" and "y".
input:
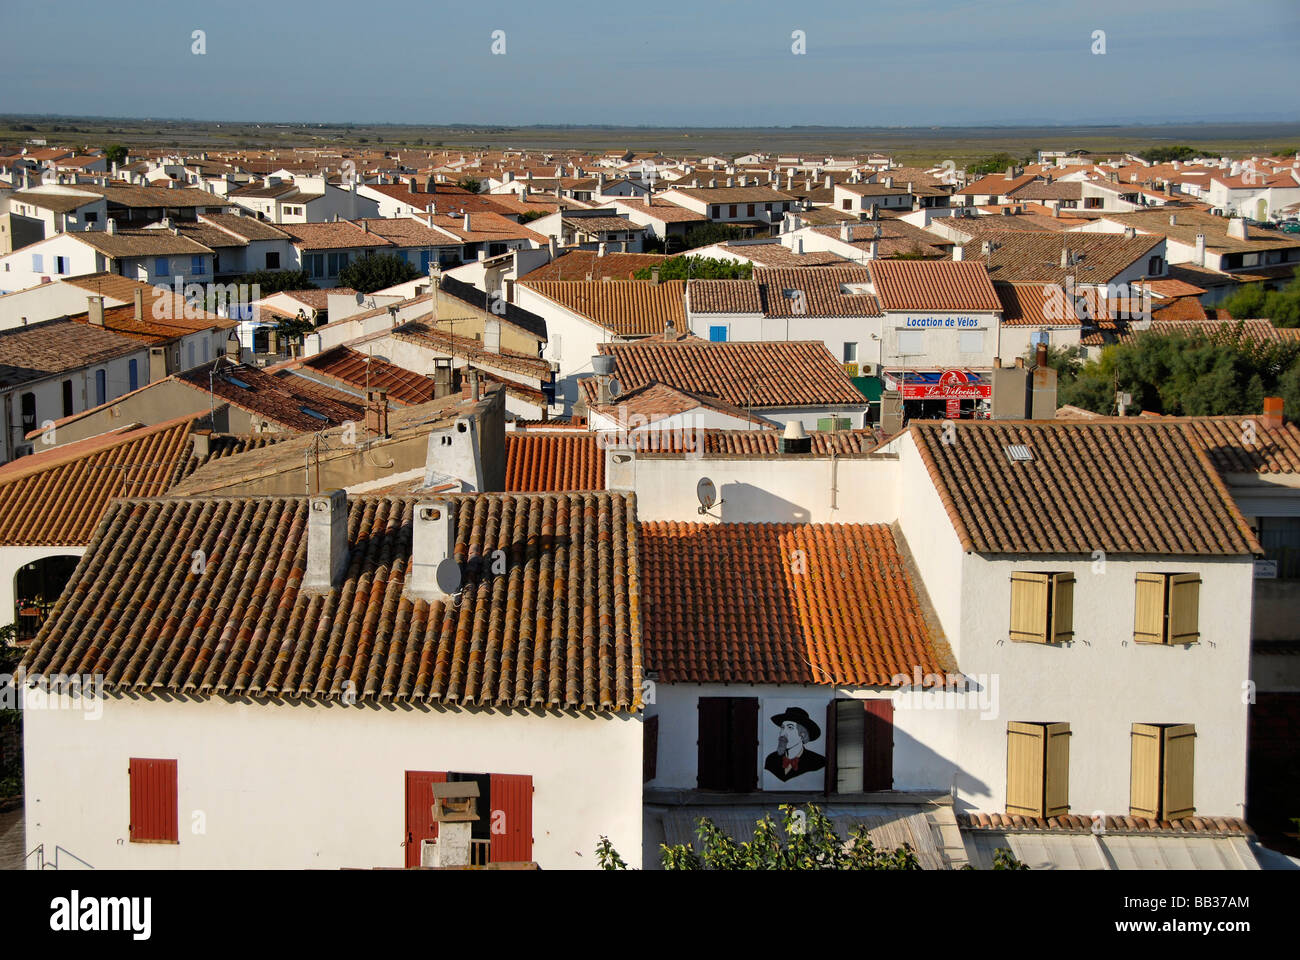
{"x": 1019, "y": 453}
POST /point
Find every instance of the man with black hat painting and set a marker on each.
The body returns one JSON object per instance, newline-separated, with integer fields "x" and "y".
{"x": 791, "y": 758}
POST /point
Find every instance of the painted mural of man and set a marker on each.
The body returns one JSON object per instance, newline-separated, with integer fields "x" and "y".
{"x": 792, "y": 758}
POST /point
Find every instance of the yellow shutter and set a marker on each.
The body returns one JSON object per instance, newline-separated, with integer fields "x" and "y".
{"x": 1062, "y": 626}
{"x": 1184, "y": 605}
{"x": 1029, "y": 607}
{"x": 1149, "y": 608}
{"x": 1057, "y": 791}
{"x": 1144, "y": 776}
{"x": 1180, "y": 751}
{"x": 1025, "y": 768}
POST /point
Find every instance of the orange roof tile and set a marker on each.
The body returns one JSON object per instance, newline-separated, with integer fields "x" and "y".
{"x": 553, "y": 462}
{"x": 627, "y": 308}
{"x": 933, "y": 285}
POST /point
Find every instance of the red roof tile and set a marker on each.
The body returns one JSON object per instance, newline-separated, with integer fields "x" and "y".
{"x": 553, "y": 462}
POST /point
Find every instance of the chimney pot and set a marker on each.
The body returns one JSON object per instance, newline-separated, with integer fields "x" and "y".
{"x": 96, "y": 311}
{"x": 377, "y": 412}
{"x": 1273, "y": 415}
{"x": 327, "y": 540}
{"x": 139, "y": 305}
{"x": 434, "y": 573}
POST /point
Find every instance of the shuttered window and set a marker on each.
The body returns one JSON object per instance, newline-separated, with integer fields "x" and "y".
{"x": 1162, "y": 770}
{"x": 153, "y": 801}
{"x": 1166, "y": 608}
{"x": 861, "y": 744}
{"x": 1042, "y": 607}
{"x": 511, "y": 817}
{"x": 728, "y": 744}
{"x": 1038, "y": 769}
{"x": 650, "y": 749}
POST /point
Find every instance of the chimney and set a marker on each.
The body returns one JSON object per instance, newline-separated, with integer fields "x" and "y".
{"x": 1273, "y": 417}
{"x": 670, "y": 329}
{"x": 875, "y": 250}
{"x": 377, "y": 412}
{"x": 327, "y": 540}
{"x": 1065, "y": 257}
{"x": 958, "y": 253}
{"x": 111, "y": 226}
{"x": 553, "y": 245}
{"x": 96, "y": 311}
{"x": 434, "y": 573}
{"x": 986, "y": 249}
{"x": 1011, "y": 172}
{"x": 600, "y": 249}
{"x": 654, "y": 275}
{"x": 1200, "y": 249}
{"x": 232, "y": 348}
{"x": 201, "y": 444}
{"x": 413, "y": 184}
{"x": 1237, "y": 229}
{"x": 467, "y": 227}
{"x": 795, "y": 439}
{"x": 139, "y": 305}
{"x": 1040, "y": 355}
{"x": 474, "y": 394}
{"x": 428, "y": 184}
{"x": 844, "y": 230}
{"x": 1173, "y": 219}
{"x": 829, "y": 182}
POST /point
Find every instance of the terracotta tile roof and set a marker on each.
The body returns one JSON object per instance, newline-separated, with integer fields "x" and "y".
{"x": 1036, "y": 257}
{"x": 52, "y": 347}
{"x": 282, "y": 402}
{"x": 249, "y": 228}
{"x": 553, "y": 462}
{"x": 57, "y": 202}
{"x": 791, "y": 373}
{"x": 344, "y": 234}
{"x": 167, "y": 198}
{"x": 510, "y": 313}
{"x": 733, "y": 194}
{"x": 724, "y": 604}
{"x": 316, "y": 299}
{"x": 662, "y": 210}
{"x": 1027, "y": 304}
{"x": 454, "y": 345}
{"x": 171, "y": 321}
{"x": 751, "y": 442}
{"x": 405, "y": 231}
{"x": 560, "y": 628}
{"x": 775, "y": 293}
{"x": 628, "y": 308}
{"x": 1123, "y": 488}
{"x": 359, "y": 371}
{"x": 933, "y": 285}
{"x": 897, "y": 237}
{"x": 1223, "y": 439}
{"x": 995, "y": 185}
{"x": 140, "y": 243}
{"x": 1068, "y": 823}
{"x": 1258, "y": 331}
{"x": 1179, "y": 309}
{"x": 486, "y": 226}
{"x": 1189, "y": 223}
{"x": 57, "y": 496}
{"x": 1171, "y": 287}
{"x": 1042, "y": 190}
{"x": 110, "y": 286}
{"x": 774, "y": 254}
{"x": 578, "y": 264}
{"x": 657, "y": 401}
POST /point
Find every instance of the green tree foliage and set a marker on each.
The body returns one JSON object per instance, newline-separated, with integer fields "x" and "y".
{"x": 273, "y": 281}
{"x": 698, "y": 268}
{"x": 997, "y": 163}
{"x": 1280, "y": 306}
{"x": 375, "y": 271}
{"x": 1219, "y": 374}
{"x": 1166, "y": 154}
{"x": 470, "y": 184}
{"x": 710, "y": 233}
{"x": 115, "y": 154}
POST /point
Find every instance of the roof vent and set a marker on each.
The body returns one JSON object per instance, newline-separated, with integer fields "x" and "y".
{"x": 1019, "y": 453}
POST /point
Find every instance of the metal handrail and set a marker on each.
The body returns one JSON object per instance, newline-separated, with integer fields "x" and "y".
{"x": 41, "y": 864}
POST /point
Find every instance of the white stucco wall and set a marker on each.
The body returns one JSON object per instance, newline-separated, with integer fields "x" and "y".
{"x": 311, "y": 786}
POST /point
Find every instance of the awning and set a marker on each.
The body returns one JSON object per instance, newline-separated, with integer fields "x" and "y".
{"x": 940, "y": 384}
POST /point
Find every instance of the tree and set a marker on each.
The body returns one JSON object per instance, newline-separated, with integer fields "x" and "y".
{"x": 711, "y": 233}
{"x": 1280, "y": 306}
{"x": 273, "y": 281}
{"x": 997, "y": 163}
{"x": 1166, "y": 154}
{"x": 470, "y": 184}
{"x": 806, "y": 840}
{"x": 375, "y": 271}
{"x": 115, "y": 154}
{"x": 698, "y": 268}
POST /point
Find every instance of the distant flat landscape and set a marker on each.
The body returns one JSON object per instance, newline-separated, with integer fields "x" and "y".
{"x": 910, "y": 145}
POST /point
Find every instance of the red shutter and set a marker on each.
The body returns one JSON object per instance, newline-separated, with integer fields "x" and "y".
{"x": 878, "y": 745}
{"x": 153, "y": 801}
{"x": 419, "y": 811}
{"x": 650, "y": 749}
{"x": 511, "y": 818}
{"x": 744, "y": 744}
{"x": 711, "y": 741}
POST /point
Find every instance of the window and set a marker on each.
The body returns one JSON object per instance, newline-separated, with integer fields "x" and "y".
{"x": 160, "y": 266}
{"x": 153, "y": 801}
{"x": 911, "y": 343}
{"x": 728, "y": 744}
{"x": 503, "y": 832}
{"x": 850, "y": 353}
{"x": 1038, "y": 769}
{"x": 29, "y": 412}
{"x": 1155, "y": 266}
{"x": 38, "y": 263}
{"x": 189, "y": 355}
{"x": 718, "y": 333}
{"x": 90, "y": 217}
{"x": 1166, "y": 608}
{"x": 847, "y": 204}
{"x": 715, "y": 212}
{"x": 862, "y": 745}
{"x": 1280, "y": 538}
{"x": 1162, "y": 770}
{"x": 335, "y": 262}
{"x": 970, "y": 341}
{"x": 67, "y": 398}
{"x": 751, "y": 211}
{"x": 731, "y": 212}
{"x": 1042, "y": 607}
{"x": 101, "y": 388}
{"x": 425, "y": 256}
{"x": 196, "y": 265}
{"x": 315, "y": 263}
{"x": 1040, "y": 336}
{"x": 1092, "y": 203}
{"x": 60, "y": 264}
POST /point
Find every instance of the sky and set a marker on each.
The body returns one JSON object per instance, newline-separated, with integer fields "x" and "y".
{"x": 693, "y": 63}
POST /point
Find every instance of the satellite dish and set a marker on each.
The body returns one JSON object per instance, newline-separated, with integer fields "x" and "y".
{"x": 361, "y": 298}
{"x": 448, "y": 576}
{"x": 615, "y": 388}
{"x": 707, "y": 493}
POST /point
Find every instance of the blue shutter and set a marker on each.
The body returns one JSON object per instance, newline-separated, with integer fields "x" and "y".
{"x": 38, "y": 262}
{"x": 134, "y": 374}
{"x": 718, "y": 334}
{"x": 101, "y": 388}
{"x": 160, "y": 266}
{"x": 196, "y": 265}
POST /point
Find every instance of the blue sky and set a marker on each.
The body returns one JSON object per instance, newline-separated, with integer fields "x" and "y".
{"x": 701, "y": 63}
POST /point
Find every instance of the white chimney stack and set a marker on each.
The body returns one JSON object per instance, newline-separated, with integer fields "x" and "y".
{"x": 327, "y": 540}
{"x": 434, "y": 573}
{"x": 1200, "y": 249}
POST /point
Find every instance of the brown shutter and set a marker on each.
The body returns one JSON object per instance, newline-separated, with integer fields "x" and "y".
{"x": 1025, "y": 770}
{"x": 1029, "y": 607}
{"x": 1062, "y": 626}
{"x": 1179, "y": 754}
{"x": 1184, "y": 604}
{"x": 650, "y": 748}
{"x": 1144, "y": 775}
{"x": 744, "y": 744}
{"x": 878, "y": 744}
{"x": 715, "y": 725}
{"x": 1056, "y": 792}
{"x": 832, "y": 744}
{"x": 1149, "y": 608}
